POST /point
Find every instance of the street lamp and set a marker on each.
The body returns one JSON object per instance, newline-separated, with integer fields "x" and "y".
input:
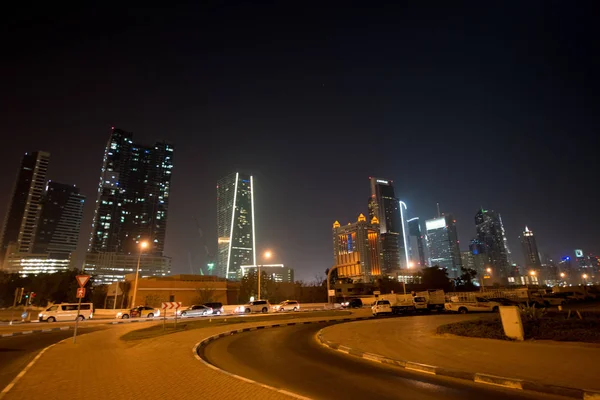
{"x": 532, "y": 273}
{"x": 584, "y": 276}
{"x": 267, "y": 255}
{"x": 489, "y": 270}
{"x": 142, "y": 245}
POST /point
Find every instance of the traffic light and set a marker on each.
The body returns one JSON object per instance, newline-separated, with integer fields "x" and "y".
{"x": 26, "y": 296}
{"x": 31, "y": 297}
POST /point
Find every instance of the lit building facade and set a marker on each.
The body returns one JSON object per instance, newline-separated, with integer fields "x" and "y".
{"x": 530, "y": 250}
{"x": 132, "y": 203}
{"x": 235, "y": 225}
{"x": 60, "y": 221}
{"x": 277, "y": 272}
{"x": 357, "y": 249}
{"x": 442, "y": 242}
{"x": 490, "y": 233}
{"x": 108, "y": 267}
{"x": 384, "y": 205}
{"x": 21, "y": 221}
{"x": 415, "y": 241}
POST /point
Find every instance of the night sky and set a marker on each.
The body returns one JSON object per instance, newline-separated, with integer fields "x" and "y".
{"x": 465, "y": 104}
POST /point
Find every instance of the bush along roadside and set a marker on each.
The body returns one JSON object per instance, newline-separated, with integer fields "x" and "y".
{"x": 547, "y": 327}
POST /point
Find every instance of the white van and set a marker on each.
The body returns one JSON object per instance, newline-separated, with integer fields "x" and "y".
{"x": 67, "y": 312}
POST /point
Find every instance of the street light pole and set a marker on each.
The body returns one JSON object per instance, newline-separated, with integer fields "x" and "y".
{"x": 267, "y": 255}
{"x": 143, "y": 245}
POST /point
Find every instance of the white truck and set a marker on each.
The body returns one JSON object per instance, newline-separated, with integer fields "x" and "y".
{"x": 436, "y": 298}
{"x": 471, "y": 304}
{"x": 402, "y": 303}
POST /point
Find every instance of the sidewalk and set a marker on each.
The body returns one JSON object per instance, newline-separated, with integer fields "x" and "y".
{"x": 413, "y": 339}
{"x": 101, "y": 366}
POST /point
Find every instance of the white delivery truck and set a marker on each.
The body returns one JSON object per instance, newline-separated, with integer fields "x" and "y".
{"x": 402, "y": 303}
{"x": 436, "y": 298}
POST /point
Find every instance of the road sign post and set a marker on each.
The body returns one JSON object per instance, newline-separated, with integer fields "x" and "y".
{"x": 81, "y": 280}
{"x": 169, "y": 305}
{"x": 164, "y": 308}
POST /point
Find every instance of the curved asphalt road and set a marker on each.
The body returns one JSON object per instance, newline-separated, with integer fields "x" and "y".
{"x": 290, "y": 358}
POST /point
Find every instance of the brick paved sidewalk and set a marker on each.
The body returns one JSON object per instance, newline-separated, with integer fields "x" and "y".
{"x": 414, "y": 339}
{"x": 101, "y": 366}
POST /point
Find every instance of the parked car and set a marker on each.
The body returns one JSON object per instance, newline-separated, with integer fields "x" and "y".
{"x": 217, "y": 307}
{"x": 478, "y": 304}
{"x": 139, "y": 312}
{"x": 504, "y": 301}
{"x": 352, "y": 303}
{"x": 66, "y": 312}
{"x": 195, "y": 311}
{"x": 260, "y": 306}
{"x": 381, "y": 307}
{"x": 288, "y": 305}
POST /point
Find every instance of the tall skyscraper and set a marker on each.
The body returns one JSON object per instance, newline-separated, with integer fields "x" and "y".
{"x": 235, "y": 224}
{"x": 384, "y": 205}
{"x": 490, "y": 232}
{"x": 417, "y": 252}
{"x": 60, "y": 221}
{"x": 132, "y": 206}
{"x": 23, "y": 214}
{"x": 357, "y": 249}
{"x": 442, "y": 241}
{"x": 530, "y": 250}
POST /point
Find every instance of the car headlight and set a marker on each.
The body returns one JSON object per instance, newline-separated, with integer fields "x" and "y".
{"x": 40, "y": 315}
{"x": 119, "y": 314}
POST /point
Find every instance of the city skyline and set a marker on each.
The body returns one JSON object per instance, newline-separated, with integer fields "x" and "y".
{"x": 336, "y": 105}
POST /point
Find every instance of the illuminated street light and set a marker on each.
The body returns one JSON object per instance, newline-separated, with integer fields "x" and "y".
{"x": 532, "y": 273}
{"x": 562, "y": 274}
{"x": 584, "y": 276}
{"x": 411, "y": 264}
{"x": 267, "y": 255}
{"x": 142, "y": 245}
{"x": 489, "y": 270}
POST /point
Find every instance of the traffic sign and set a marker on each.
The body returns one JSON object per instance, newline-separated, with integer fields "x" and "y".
{"x": 24, "y": 315}
{"x": 82, "y": 279}
{"x": 376, "y": 292}
{"x": 331, "y": 292}
{"x": 80, "y": 293}
{"x": 169, "y": 305}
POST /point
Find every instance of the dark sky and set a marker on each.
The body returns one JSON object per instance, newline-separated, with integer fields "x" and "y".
{"x": 466, "y": 104}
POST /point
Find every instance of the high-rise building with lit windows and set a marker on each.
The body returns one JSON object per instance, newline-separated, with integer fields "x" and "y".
{"x": 442, "y": 242}
{"x": 60, "y": 221}
{"x": 491, "y": 235}
{"x": 384, "y": 205}
{"x": 235, "y": 225}
{"x": 131, "y": 207}
{"x": 415, "y": 241}
{"x": 530, "y": 250}
{"x": 23, "y": 214}
{"x": 357, "y": 249}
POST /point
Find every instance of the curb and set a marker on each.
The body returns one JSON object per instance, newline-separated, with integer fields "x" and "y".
{"x": 126, "y": 321}
{"x": 486, "y": 379}
{"x": 20, "y": 333}
{"x": 204, "y": 342}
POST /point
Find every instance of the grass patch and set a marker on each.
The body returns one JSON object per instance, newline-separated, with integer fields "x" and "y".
{"x": 559, "y": 329}
{"x": 206, "y": 322}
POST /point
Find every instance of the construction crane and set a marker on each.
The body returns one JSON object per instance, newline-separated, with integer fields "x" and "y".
{"x": 210, "y": 264}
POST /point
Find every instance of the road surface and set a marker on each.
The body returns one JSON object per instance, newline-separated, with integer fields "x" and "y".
{"x": 290, "y": 358}
{"x": 16, "y": 352}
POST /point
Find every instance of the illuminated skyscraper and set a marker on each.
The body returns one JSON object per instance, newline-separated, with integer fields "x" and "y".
{"x": 235, "y": 225}
{"x": 530, "y": 250}
{"x": 357, "y": 249}
{"x": 132, "y": 206}
{"x": 23, "y": 214}
{"x": 442, "y": 242}
{"x": 384, "y": 205}
{"x": 415, "y": 240}
{"x": 490, "y": 233}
